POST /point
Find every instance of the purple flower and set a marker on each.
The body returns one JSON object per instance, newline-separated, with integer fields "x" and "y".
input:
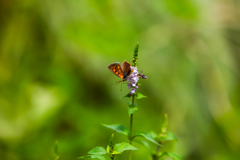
{"x": 129, "y": 85}
{"x": 132, "y": 80}
{"x": 132, "y": 91}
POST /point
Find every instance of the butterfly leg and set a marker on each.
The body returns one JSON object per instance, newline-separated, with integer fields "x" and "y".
{"x": 118, "y": 82}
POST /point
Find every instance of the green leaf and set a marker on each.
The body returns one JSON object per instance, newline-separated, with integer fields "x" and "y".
{"x": 135, "y": 104}
{"x": 170, "y": 154}
{"x": 182, "y": 8}
{"x": 118, "y": 128}
{"x": 146, "y": 136}
{"x": 153, "y": 134}
{"x": 140, "y": 96}
{"x": 170, "y": 137}
{"x": 120, "y": 147}
{"x": 132, "y": 110}
{"x": 144, "y": 143}
{"x": 127, "y": 96}
{"x": 98, "y": 151}
{"x": 174, "y": 156}
{"x": 93, "y": 157}
{"x": 108, "y": 149}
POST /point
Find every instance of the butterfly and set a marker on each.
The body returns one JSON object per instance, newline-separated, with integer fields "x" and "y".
{"x": 123, "y": 71}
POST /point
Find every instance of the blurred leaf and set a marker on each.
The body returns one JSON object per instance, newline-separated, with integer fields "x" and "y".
{"x": 170, "y": 154}
{"x": 153, "y": 134}
{"x": 93, "y": 157}
{"x": 108, "y": 149}
{"x": 144, "y": 143}
{"x": 135, "y": 104}
{"x": 98, "y": 151}
{"x": 146, "y": 136}
{"x": 120, "y": 147}
{"x": 182, "y": 8}
{"x": 168, "y": 137}
{"x": 140, "y": 96}
{"x": 127, "y": 96}
{"x": 118, "y": 128}
{"x": 130, "y": 104}
{"x": 132, "y": 110}
{"x": 174, "y": 156}
{"x": 171, "y": 136}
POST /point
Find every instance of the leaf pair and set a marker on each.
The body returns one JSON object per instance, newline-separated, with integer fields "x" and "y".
{"x": 122, "y": 129}
{"x": 169, "y": 154}
{"x": 137, "y": 95}
{"x": 164, "y": 135}
{"x": 132, "y": 108}
{"x": 98, "y": 152}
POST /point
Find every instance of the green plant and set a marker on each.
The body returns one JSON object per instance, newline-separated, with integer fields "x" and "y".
{"x": 112, "y": 150}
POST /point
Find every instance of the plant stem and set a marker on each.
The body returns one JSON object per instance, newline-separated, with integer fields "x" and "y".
{"x": 155, "y": 157}
{"x": 131, "y": 124}
{"x": 130, "y": 155}
{"x": 130, "y": 134}
{"x": 135, "y": 55}
{"x": 158, "y": 148}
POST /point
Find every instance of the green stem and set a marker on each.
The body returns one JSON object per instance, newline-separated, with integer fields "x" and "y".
{"x": 130, "y": 134}
{"x": 155, "y": 157}
{"x": 131, "y": 124}
{"x": 158, "y": 147}
{"x": 135, "y": 55}
{"x": 130, "y": 155}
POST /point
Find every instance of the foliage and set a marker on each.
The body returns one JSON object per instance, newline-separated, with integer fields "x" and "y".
{"x": 54, "y": 83}
{"x": 112, "y": 150}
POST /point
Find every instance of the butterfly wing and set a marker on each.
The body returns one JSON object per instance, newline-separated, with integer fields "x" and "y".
{"x": 116, "y": 69}
{"x": 126, "y": 68}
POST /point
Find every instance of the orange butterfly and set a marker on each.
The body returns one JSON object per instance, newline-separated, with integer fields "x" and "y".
{"x": 122, "y": 72}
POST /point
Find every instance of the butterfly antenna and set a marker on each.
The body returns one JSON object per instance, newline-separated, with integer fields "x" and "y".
{"x": 118, "y": 82}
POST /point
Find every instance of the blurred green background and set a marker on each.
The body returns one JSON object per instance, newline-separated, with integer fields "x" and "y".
{"x": 55, "y": 84}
